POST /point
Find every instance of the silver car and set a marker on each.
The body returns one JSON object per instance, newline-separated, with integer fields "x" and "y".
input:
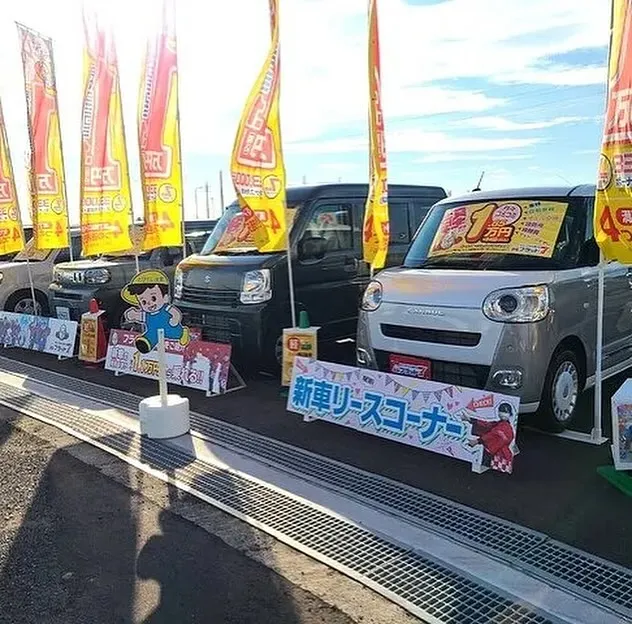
{"x": 517, "y": 324}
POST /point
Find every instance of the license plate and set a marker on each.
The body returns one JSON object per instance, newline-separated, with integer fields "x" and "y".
{"x": 62, "y": 313}
{"x": 419, "y": 368}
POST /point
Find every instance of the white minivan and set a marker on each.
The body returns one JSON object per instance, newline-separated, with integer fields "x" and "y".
{"x": 473, "y": 306}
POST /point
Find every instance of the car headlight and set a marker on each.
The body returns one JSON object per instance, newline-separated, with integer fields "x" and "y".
{"x": 372, "y": 297}
{"x": 178, "y": 283}
{"x": 96, "y": 276}
{"x": 517, "y": 305}
{"x": 256, "y": 287}
{"x": 1, "y": 278}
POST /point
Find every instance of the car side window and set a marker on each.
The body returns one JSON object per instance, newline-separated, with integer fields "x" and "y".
{"x": 333, "y": 223}
{"x": 398, "y": 222}
{"x": 418, "y": 212}
{"x": 589, "y": 250}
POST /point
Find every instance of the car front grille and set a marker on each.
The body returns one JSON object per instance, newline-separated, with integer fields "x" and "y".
{"x": 455, "y": 373}
{"x": 435, "y": 336}
{"x": 210, "y": 296}
{"x": 215, "y": 328}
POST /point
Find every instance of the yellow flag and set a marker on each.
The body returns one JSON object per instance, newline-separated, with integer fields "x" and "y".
{"x": 159, "y": 137}
{"x": 613, "y": 209}
{"x": 257, "y": 167}
{"x": 49, "y": 206}
{"x": 11, "y": 234}
{"x": 106, "y": 201}
{"x": 376, "y": 224}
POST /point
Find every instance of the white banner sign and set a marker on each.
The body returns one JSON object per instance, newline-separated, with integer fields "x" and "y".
{"x": 476, "y": 426}
{"x": 38, "y": 333}
{"x": 199, "y": 365}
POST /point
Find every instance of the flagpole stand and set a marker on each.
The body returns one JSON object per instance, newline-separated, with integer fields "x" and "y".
{"x": 165, "y": 415}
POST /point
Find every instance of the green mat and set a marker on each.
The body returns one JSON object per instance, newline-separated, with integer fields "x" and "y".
{"x": 622, "y": 480}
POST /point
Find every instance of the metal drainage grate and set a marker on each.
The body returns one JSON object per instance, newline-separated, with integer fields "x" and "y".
{"x": 556, "y": 563}
{"x": 423, "y": 586}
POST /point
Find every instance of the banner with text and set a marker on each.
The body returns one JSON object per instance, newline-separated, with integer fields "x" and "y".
{"x": 613, "y": 208}
{"x": 11, "y": 233}
{"x": 476, "y": 426}
{"x": 159, "y": 137}
{"x": 528, "y": 228}
{"x": 49, "y": 206}
{"x": 106, "y": 201}
{"x": 376, "y": 221}
{"x": 257, "y": 167}
{"x": 38, "y": 333}
{"x": 199, "y": 365}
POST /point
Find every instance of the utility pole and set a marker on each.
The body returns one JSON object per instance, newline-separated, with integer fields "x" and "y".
{"x": 221, "y": 190}
{"x": 208, "y": 205}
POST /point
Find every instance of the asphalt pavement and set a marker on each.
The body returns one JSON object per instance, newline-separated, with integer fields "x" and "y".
{"x": 554, "y": 489}
{"x": 78, "y": 547}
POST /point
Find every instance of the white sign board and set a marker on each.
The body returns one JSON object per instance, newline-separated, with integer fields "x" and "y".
{"x": 476, "y": 426}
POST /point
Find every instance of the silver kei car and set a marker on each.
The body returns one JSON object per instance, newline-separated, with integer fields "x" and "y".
{"x": 509, "y": 322}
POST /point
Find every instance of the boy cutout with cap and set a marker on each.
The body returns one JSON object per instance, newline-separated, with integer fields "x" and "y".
{"x": 148, "y": 293}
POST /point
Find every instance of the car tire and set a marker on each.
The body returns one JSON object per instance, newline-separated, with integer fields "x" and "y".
{"x": 21, "y": 302}
{"x": 563, "y": 385}
{"x": 272, "y": 359}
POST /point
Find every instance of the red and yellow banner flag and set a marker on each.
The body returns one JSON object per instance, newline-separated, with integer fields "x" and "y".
{"x": 106, "y": 201}
{"x": 159, "y": 137}
{"x": 11, "y": 234}
{"x": 49, "y": 206}
{"x": 613, "y": 209}
{"x": 257, "y": 167}
{"x": 376, "y": 225}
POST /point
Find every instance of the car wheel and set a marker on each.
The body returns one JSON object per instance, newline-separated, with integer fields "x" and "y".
{"x": 272, "y": 360}
{"x": 22, "y": 303}
{"x": 562, "y": 386}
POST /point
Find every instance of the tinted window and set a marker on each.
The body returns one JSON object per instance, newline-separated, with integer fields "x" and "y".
{"x": 418, "y": 211}
{"x": 333, "y": 223}
{"x": 398, "y": 222}
{"x": 64, "y": 254}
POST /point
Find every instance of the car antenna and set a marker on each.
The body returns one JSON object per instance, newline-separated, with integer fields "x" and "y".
{"x": 480, "y": 180}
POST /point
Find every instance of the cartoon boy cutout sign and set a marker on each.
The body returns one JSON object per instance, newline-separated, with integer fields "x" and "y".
{"x": 148, "y": 292}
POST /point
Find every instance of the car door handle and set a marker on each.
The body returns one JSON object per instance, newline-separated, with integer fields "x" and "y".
{"x": 351, "y": 265}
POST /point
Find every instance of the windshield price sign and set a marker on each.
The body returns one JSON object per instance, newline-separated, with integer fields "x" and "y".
{"x": 528, "y": 228}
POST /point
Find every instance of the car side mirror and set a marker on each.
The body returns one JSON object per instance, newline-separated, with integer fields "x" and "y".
{"x": 312, "y": 248}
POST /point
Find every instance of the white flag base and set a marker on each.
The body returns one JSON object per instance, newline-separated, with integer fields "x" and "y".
{"x": 160, "y": 419}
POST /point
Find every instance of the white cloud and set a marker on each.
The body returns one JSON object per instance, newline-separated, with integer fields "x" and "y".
{"x": 508, "y": 125}
{"x": 481, "y": 157}
{"x": 324, "y": 84}
{"x": 413, "y": 141}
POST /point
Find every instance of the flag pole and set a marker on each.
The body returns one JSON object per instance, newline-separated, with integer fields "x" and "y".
{"x": 596, "y": 433}
{"x": 182, "y": 218}
{"x": 290, "y": 272}
{"x": 31, "y": 285}
{"x": 61, "y": 149}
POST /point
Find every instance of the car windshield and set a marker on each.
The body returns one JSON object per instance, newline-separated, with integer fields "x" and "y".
{"x": 512, "y": 234}
{"x": 230, "y": 235}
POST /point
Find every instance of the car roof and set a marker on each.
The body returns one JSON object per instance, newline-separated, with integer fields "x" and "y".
{"x": 299, "y": 194}
{"x": 581, "y": 190}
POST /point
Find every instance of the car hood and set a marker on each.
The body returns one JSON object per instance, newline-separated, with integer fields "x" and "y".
{"x": 452, "y": 288}
{"x": 219, "y": 272}
{"x": 97, "y": 263}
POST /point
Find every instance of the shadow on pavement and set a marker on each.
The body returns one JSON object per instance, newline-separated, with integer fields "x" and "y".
{"x": 77, "y": 546}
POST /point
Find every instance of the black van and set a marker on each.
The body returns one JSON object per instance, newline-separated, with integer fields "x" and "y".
{"x": 237, "y": 294}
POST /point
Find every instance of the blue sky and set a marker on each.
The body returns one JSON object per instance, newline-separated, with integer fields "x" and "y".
{"x": 511, "y": 87}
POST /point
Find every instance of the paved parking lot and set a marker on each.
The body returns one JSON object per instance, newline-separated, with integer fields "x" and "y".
{"x": 555, "y": 487}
